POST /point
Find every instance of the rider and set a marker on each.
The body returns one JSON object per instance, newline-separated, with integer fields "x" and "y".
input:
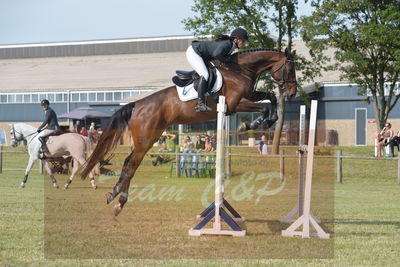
{"x": 50, "y": 120}
{"x": 221, "y": 49}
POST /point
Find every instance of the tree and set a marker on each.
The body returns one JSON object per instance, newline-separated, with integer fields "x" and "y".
{"x": 216, "y": 16}
{"x": 366, "y": 37}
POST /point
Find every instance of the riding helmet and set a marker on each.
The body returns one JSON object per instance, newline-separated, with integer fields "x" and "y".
{"x": 240, "y": 33}
{"x": 45, "y": 102}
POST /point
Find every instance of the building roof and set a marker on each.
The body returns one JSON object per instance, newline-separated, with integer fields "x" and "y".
{"x": 141, "y": 63}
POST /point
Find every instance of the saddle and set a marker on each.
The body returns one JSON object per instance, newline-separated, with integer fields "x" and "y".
{"x": 184, "y": 78}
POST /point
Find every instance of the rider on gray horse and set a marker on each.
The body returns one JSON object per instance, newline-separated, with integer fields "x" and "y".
{"x": 50, "y": 120}
{"x": 203, "y": 51}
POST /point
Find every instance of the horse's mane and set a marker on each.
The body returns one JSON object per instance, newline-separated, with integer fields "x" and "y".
{"x": 257, "y": 50}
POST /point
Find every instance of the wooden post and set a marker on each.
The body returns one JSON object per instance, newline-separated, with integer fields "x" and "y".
{"x": 178, "y": 165}
{"x": 217, "y": 210}
{"x": 282, "y": 164}
{"x": 307, "y": 219}
{"x": 41, "y": 166}
{"x": 298, "y": 208}
{"x": 339, "y": 176}
{"x": 1, "y": 159}
{"x": 398, "y": 168}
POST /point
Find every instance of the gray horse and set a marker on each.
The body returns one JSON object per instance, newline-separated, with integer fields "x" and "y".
{"x": 68, "y": 144}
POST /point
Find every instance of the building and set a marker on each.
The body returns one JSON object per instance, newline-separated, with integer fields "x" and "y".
{"x": 105, "y": 74}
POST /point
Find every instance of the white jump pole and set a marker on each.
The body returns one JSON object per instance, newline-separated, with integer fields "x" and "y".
{"x": 297, "y": 211}
{"x": 216, "y": 210}
{"x": 307, "y": 218}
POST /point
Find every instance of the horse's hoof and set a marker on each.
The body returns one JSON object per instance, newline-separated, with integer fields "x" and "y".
{"x": 56, "y": 186}
{"x": 108, "y": 197}
{"x": 66, "y": 186}
{"x": 117, "y": 210}
{"x": 243, "y": 127}
{"x": 94, "y": 187}
{"x": 22, "y": 185}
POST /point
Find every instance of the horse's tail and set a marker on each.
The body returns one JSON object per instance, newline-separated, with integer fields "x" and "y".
{"x": 110, "y": 137}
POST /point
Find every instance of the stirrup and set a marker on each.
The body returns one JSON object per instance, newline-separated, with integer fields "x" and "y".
{"x": 201, "y": 107}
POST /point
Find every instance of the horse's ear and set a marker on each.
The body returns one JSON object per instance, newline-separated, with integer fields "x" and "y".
{"x": 294, "y": 53}
{"x": 286, "y": 52}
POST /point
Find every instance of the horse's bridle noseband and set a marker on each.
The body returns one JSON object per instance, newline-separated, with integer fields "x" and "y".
{"x": 283, "y": 68}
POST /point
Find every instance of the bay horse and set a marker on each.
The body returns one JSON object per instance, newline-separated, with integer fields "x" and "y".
{"x": 75, "y": 145}
{"x": 148, "y": 117}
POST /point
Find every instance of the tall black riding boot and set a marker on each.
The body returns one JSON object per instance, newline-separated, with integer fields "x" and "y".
{"x": 201, "y": 91}
{"x": 44, "y": 146}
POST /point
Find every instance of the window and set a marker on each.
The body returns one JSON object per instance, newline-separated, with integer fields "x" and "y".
{"x": 65, "y": 97}
{"x": 109, "y": 96}
{"x": 59, "y": 97}
{"x": 42, "y": 96}
{"x": 27, "y": 98}
{"x": 75, "y": 97}
{"x": 50, "y": 97}
{"x": 117, "y": 96}
{"x": 35, "y": 98}
{"x": 100, "y": 96}
{"x": 11, "y": 98}
{"x": 126, "y": 95}
{"x": 83, "y": 97}
{"x": 3, "y": 98}
{"x": 92, "y": 96}
{"x": 18, "y": 98}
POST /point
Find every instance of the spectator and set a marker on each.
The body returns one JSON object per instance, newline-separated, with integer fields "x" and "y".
{"x": 207, "y": 144}
{"x": 169, "y": 139}
{"x": 92, "y": 134}
{"x": 262, "y": 146}
{"x": 83, "y": 131}
{"x": 77, "y": 127}
{"x": 395, "y": 141}
{"x": 186, "y": 144}
{"x": 214, "y": 144}
{"x": 384, "y": 137}
{"x": 200, "y": 144}
{"x": 162, "y": 159}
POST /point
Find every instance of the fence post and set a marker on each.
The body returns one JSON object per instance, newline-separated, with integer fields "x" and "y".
{"x": 339, "y": 166}
{"x": 1, "y": 159}
{"x": 177, "y": 160}
{"x": 282, "y": 164}
{"x": 398, "y": 169}
{"x": 41, "y": 166}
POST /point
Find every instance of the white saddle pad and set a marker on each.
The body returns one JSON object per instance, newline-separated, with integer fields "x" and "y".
{"x": 188, "y": 93}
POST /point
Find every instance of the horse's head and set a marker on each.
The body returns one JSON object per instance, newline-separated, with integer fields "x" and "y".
{"x": 284, "y": 73}
{"x": 16, "y": 136}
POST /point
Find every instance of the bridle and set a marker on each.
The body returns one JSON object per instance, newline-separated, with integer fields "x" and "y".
{"x": 22, "y": 137}
{"x": 284, "y": 71}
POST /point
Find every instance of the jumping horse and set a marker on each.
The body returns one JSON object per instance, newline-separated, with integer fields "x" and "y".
{"x": 70, "y": 144}
{"x": 148, "y": 117}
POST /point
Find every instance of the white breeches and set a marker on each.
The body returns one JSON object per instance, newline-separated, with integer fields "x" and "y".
{"x": 197, "y": 62}
{"x": 45, "y": 132}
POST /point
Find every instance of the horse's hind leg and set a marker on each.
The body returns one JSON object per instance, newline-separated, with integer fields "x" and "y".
{"x": 131, "y": 164}
{"x": 73, "y": 172}
{"x": 48, "y": 169}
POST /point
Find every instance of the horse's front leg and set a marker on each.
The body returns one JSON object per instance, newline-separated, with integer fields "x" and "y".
{"x": 268, "y": 116}
{"x": 48, "y": 169}
{"x": 32, "y": 160}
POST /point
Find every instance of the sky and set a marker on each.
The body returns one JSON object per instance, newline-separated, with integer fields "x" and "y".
{"x": 41, "y": 21}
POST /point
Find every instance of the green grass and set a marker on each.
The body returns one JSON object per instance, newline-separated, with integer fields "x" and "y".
{"x": 42, "y": 226}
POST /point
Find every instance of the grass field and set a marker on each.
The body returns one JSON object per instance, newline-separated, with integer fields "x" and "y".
{"x": 42, "y": 226}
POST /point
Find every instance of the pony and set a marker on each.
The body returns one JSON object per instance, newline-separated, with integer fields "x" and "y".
{"x": 148, "y": 117}
{"x": 72, "y": 144}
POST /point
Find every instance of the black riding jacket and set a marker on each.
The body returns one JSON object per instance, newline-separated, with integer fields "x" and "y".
{"x": 209, "y": 50}
{"x": 50, "y": 119}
